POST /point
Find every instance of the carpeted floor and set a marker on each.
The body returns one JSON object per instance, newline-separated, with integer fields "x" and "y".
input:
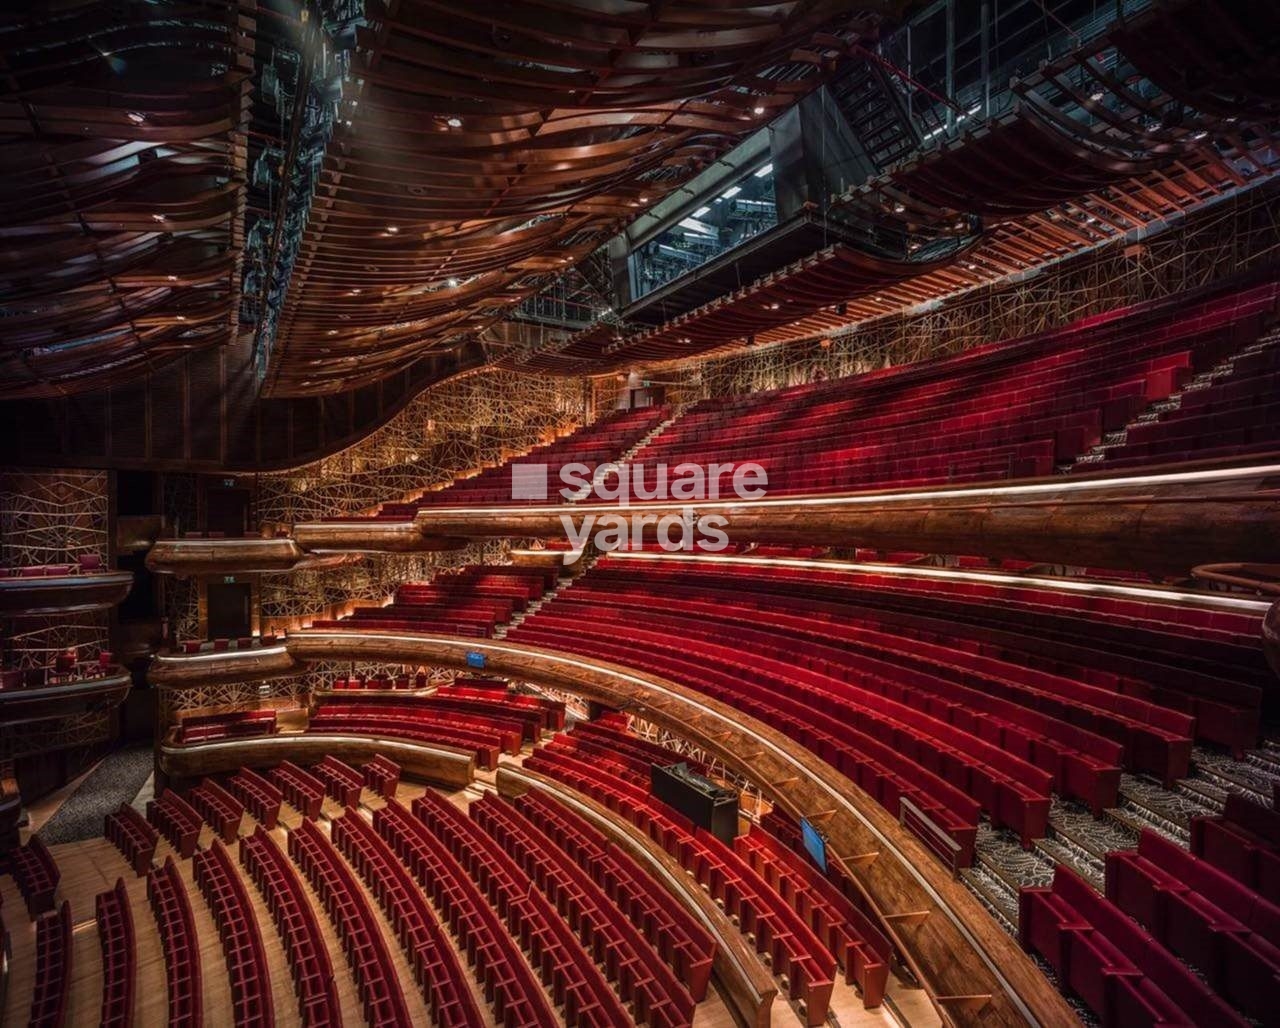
{"x": 115, "y": 780}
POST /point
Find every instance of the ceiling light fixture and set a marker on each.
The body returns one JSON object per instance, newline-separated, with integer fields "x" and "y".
{"x": 766, "y": 170}
{"x": 452, "y": 283}
{"x": 700, "y": 211}
{"x": 730, "y": 193}
{"x": 757, "y": 109}
{"x": 393, "y": 229}
{"x": 454, "y": 122}
{"x": 136, "y": 117}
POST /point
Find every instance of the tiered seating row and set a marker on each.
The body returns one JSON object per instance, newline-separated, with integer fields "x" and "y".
{"x": 1205, "y": 917}
{"x": 54, "y": 948}
{"x": 429, "y": 950}
{"x": 349, "y": 911}
{"x": 172, "y": 909}
{"x": 574, "y": 979}
{"x": 862, "y": 949}
{"x": 657, "y": 996}
{"x": 177, "y": 821}
{"x": 36, "y": 874}
{"x": 223, "y": 890}
{"x": 277, "y": 880}
{"x": 301, "y": 789}
{"x": 509, "y": 983}
{"x": 239, "y": 724}
{"x": 259, "y": 796}
{"x": 220, "y": 810}
{"x": 1244, "y": 842}
{"x": 381, "y": 776}
{"x": 681, "y": 941}
{"x": 134, "y": 836}
{"x": 342, "y": 783}
{"x": 119, "y": 956}
{"x": 793, "y": 948}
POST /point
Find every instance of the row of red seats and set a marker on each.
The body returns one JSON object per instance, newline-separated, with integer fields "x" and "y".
{"x": 36, "y": 873}
{"x": 134, "y": 836}
{"x": 220, "y": 810}
{"x": 877, "y": 766}
{"x": 237, "y": 724}
{"x": 1233, "y": 416}
{"x": 426, "y": 944}
{"x": 260, "y": 797}
{"x": 575, "y": 981}
{"x": 1205, "y": 917}
{"x": 54, "y": 950}
{"x": 657, "y": 996}
{"x": 177, "y": 821}
{"x": 250, "y": 976}
{"x": 508, "y": 981}
{"x": 687, "y": 947}
{"x": 86, "y": 563}
{"x": 119, "y": 956}
{"x": 357, "y": 925}
{"x": 1243, "y": 842}
{"x": 1008, "y": 411}
{"x": 301, "y": 789}
{"x": 612, "y": 731}
{"x": 502, "y": 698}
{"x": 172, "y": 909}
{"x": 381, "y": 776}
{"x": 281, "y": 889}
{"x": 421, "y": 720}
{"x": 342, "y": 783}
{"x": 861, "y": 948}
{"x": 601, "y": 441}
{"x": 244, "y": 642}
{"x": 779, "y": 931}
{"x": 1139, "y": 652}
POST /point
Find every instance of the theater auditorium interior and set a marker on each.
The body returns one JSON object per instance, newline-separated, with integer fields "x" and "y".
{"x": 682, "y": 513}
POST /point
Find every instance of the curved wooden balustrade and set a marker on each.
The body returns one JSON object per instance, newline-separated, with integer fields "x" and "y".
{"x": 442, "y": 765}
{"x": 973, "y": 971}
{"x": 1161, "y": 523}
{"x": 63, "y": 594}
{"x": 247, "y": 555}
{"x": 175, "y": 670}
{"x": 65, "y": 699}
{"x": 746, "y": 983}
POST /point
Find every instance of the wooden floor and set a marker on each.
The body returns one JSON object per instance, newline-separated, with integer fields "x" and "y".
{"x": 93, "y": 866}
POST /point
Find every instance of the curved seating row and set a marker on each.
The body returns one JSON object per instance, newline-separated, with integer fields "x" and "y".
{"x": 177, "y": 820}
{"x": 779, "y": 931}
{"x": 342, "y": 783}
{"x": 1006, "y": 410}
{"x": 508, "y": 981}
{"x": 300, "y": 788}
{"x": 220, "y": 810}
{"x": 425, "y": 943}
{"x": 381, "y": 776}
{"x": 260, "y": 797}
{"x": 687, "y": 947}
{"x": 295, "y": 920}
{"x": 349, "y": 911}
{"x": 36, "y": 874}
{"x": 657, "y": 996}
{"x": 576, "y": 982}
{"x": 1223, "y": 928}
{"x": 239, "y": 724}
{"x": 134, "y": 836}
{"x": 54, "y": 949}
{"x": 119, "y": 956}
{"x": 250, "y": 976}
{"x": 1244, "y": 842}
{"x": 172, "y": 909}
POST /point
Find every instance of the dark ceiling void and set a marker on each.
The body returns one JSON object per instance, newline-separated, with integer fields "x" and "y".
{"x": 121, "y": 188}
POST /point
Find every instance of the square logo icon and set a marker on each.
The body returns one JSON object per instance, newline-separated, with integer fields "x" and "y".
{"x": 528, "y": 481}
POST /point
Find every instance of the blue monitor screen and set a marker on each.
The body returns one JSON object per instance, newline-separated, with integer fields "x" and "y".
{"x": 475, "y": 659}
{"x": 814, "y": 844}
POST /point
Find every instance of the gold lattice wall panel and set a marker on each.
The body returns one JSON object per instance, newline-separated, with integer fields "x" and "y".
{"x": 51, "y": 517}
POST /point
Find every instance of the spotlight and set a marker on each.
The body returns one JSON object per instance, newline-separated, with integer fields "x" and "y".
{"x": 842, "y": 309}
{"x": 452, "y": 283}
{"x": 757, "y": 109}
{"x": 454, "y": 122}
{"x": 136, "y": 117}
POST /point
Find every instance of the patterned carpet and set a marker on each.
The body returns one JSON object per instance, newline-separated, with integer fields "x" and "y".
{"x": 115, "y": 780}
